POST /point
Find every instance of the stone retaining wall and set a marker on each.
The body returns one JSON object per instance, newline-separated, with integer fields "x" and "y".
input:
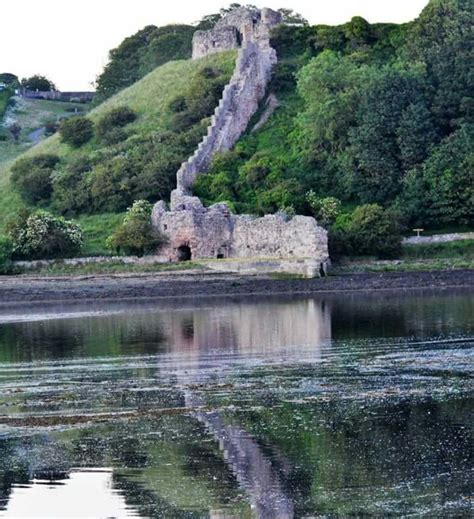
{"x": 438, "y": 238}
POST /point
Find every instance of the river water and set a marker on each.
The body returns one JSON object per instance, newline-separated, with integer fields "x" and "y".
{"x": 334, "y": 406}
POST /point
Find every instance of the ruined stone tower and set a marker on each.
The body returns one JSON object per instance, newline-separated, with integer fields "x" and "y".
{"x": 196, "y": 232}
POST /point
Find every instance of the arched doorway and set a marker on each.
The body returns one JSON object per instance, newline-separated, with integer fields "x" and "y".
{"x": 184, "y": 253}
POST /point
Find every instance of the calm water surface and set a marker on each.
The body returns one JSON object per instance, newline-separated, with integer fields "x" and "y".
{"x": 335, "y": 406}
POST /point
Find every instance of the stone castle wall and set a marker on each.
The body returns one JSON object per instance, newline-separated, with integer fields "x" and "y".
{"x": 196, "y": 232}
{"x": 216, "y": 233}
{"x": 250, "y": 30}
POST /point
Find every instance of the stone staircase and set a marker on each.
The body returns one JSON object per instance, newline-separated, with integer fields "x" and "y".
{"x": 240, "y": 100}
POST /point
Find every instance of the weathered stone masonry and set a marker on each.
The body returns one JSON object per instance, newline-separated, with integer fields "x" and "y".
{"x": 196, "y": 232}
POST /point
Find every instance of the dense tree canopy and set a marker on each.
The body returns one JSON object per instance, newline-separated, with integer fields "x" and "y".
{"x": 141, "y": 53}
{"x": 383, "y": 115}
{"x": 38, "y": 82}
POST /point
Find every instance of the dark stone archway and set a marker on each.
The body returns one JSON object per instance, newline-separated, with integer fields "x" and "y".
{"x": 184, "y": 253}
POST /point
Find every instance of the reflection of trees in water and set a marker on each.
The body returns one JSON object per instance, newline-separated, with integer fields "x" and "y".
{"x": 395, "y": 314}
{"x": 345, "y": 458}
{"x": 86, "y": 336}
{"x": 12, "y": 470}
{"x": 161, "y": 475}
{"x": 315, "y": 455}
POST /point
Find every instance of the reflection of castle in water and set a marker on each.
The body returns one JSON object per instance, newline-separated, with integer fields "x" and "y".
{"x": 278, "y": 330}
{"x": 275, "y": 328}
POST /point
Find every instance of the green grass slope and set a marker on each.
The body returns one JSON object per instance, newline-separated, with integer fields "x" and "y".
{"x": 149, "y": 98}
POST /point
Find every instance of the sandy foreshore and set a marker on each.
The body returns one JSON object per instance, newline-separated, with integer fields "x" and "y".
{"x": 23, "y": 289}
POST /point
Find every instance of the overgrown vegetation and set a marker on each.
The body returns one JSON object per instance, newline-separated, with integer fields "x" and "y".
{"x": 371, "y": 114}
{"x": 136, "y": 235}
{"x": 134, "y": 153}
{"x": 374, "y": 134}
{"x": 76, "y": 131}
{"x": 141, "y": 53}
{"x": 40, "y": 235}
{"x": 6, "y": 255}
{"x": 5, "y": 97}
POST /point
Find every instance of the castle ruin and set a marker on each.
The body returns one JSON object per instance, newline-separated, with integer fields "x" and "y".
{"x": 196, "y": 232}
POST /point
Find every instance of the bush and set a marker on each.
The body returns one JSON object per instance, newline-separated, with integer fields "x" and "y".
{"x": 51, "y": 127}
{"x": 32, "y": 177}
{"x": 40, "y": 235}
{"x": 114, "y": 136}
{"x": 6, "y": 252}
{"x": 374, "y": 231}
{"x": 136, "y": 234}
{"x": 76, "y": 131}
{"x": 108, "y": 127}
{"x": 326, "y": 209}
{"x": 71, "y": 193}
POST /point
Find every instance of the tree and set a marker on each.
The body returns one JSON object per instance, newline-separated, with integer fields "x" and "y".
{"x": 375, "y": 138}
{"x": 136, "y": 234}
{"x": 448, "y": 180}
{"x": 374, "y": 231}
{"x": 441, "y": 39}
{"x": 139, "y": 54}
{"x": 9, "y": 79}
{"x": 289, "y": 17}
{"x": 38, "y": 82}
{"x": 358, "y": 32}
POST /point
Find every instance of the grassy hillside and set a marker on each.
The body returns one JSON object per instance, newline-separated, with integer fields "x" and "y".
{"x": 150, "y": 99}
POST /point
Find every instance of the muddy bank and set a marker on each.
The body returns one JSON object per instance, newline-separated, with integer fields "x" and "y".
{"x": 174, "y": 285}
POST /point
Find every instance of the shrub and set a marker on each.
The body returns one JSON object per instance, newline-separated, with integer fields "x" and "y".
{"x": 114, "y": 136}
{"x": 178, "y": 104}
{"x": 76, "y": 131}
{"x": 107, "y": 126}
{"x": 136, "y": 234}
{"x": 71, "y": 193}
{"x": 110, "y": 184}
{"x": 373, "y": 230}
{"x": 41, "y": 235}
{"x": 32, "y": 177}
{"x": 15, "y": 130}
{"x": 326, "y": 209}
{"x": 6, "y": 252}
{"x": 51, "y": 127}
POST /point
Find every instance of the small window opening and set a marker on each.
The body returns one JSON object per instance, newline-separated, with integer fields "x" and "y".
{"x": 220, "y": 256}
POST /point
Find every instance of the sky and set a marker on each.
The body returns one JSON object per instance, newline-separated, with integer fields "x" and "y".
{"x": 68, "y": 41}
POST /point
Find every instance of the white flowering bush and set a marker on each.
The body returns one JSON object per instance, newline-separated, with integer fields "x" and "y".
{"x": 140, "y": 209}
{"x": 41, "y": 235}
{"x": 326, "y": 209}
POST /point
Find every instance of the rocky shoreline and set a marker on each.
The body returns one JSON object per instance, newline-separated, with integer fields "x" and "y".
{"x": 24, "y": 289}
